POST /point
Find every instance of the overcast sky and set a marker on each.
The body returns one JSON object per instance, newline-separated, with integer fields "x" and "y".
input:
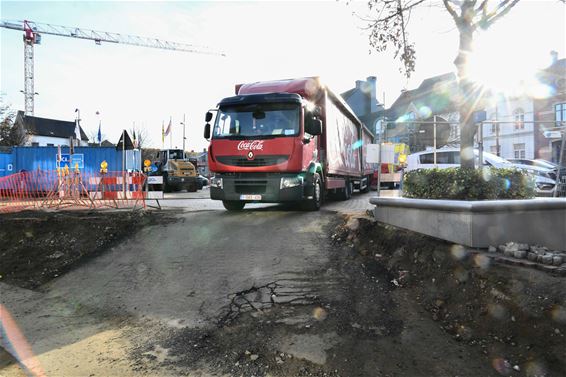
{"x": 263, "y": 41}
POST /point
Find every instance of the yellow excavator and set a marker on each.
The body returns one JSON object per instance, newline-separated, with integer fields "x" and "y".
{"x": 177, "y": 171}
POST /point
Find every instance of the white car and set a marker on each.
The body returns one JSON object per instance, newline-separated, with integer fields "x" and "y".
{"x": 450, "y": 157}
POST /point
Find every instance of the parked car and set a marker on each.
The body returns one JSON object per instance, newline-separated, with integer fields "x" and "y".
{"x": 450, "y": 157}
{"x": 538, "y": 162}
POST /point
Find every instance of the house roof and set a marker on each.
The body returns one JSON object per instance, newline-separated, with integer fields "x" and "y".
{"x": 437, "y": 93}
{"x": 48, "y": 127}
{"x": 555, "y": 74}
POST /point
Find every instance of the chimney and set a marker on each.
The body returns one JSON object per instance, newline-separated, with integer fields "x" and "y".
{"x": 554, "y": 55}
{"x": 360, "y": 84}
{"x": 372, "y": 88}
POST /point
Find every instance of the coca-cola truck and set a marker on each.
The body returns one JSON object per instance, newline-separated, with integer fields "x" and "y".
{"x": 286, "y": 141}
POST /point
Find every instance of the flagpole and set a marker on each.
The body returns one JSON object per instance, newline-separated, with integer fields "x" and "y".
{"x": 162, "y": 134}
{"x": 171, "y": 132}
{"x": 184, "y": 121}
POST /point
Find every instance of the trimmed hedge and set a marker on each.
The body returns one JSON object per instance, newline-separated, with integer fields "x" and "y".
{"x": 468, "y": 184}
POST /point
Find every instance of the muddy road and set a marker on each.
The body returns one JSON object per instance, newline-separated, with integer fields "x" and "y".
{"x": 265, "y": 292}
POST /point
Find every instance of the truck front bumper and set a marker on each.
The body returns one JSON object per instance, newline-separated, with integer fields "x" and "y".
{"x": 265, "y": 188}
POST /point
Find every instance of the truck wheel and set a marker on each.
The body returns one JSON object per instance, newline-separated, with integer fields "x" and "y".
{"x": 232, "y": 205}
{"x": 368, "y": 181}
{"x": 316, "y": 201}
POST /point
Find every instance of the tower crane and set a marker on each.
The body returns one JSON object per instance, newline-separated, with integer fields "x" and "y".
{"x": 34, "y": 30}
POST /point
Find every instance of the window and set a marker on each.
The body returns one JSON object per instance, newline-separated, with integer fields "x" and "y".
{"x": 519, "y": 115}
{"x": 35, "y": 144}
{"x": 560, "y": 113}
{"x": 251, "y": 121}
{"x": 493, "y": 149}
{"x": 519, "y": 150}
{"x": 50, "y": 145}
{"x": 441, "y": 158}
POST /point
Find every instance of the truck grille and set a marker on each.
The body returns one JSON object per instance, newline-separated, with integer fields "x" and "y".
{"x": 250, "y": 187}
{"x": 264, "y": 160}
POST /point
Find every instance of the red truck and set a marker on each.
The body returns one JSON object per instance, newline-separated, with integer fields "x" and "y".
{"x": 286, "y": 141}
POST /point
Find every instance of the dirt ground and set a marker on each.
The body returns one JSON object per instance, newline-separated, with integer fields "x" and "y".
{"x": 37, "y": 247}
{"x": 515, "y": 315}
{"x": 311, "y": 295}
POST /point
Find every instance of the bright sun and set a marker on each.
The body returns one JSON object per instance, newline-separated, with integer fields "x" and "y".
{"x": 506, "y": 69}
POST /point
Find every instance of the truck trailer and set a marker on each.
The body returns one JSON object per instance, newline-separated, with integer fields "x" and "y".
{"x": 286, "y": 141}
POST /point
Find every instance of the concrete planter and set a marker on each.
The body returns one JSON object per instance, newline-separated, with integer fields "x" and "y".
{"x": 479, "y": 223}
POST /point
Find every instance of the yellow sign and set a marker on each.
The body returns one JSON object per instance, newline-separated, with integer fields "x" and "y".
{"x": 147, "y": 163}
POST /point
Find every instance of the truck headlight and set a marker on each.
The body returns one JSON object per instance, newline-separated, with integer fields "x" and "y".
{"x": 216, "y": 182}
{"x": 288, "y": 182}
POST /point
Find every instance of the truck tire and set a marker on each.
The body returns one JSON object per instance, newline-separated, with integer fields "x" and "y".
{"x": 316, "y": 201}
{"x": 233, "y": 205}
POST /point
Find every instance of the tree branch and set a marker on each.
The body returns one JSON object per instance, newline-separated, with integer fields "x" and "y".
{"x": 451, "y": 11}
{"x": 502, "y": 9}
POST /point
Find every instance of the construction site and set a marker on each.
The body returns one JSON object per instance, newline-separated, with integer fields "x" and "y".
{"x": 291, "y": 243}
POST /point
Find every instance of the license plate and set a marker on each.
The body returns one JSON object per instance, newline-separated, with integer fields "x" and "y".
{"x": 250, "y": 197}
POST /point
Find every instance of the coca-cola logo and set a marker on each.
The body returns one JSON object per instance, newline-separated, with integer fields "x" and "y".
{"x": 254, "y": 145}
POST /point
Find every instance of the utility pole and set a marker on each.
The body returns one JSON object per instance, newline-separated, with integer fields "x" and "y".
{"x": 497, "y": 146}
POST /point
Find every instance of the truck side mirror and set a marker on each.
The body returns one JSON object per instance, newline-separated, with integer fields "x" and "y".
{"x": 208, "y": 117}
{"x": 207, "y": 130}
{"x": 313, "y": 126}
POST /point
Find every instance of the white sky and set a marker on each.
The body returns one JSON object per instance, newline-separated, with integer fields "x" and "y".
{"x": 264, "y": 41}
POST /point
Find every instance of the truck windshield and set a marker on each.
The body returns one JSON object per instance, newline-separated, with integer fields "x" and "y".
{"x": 257, "y": 121}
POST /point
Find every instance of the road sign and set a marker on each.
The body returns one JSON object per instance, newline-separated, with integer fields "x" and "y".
{"x": 551, "y": 134}
{"x": 77, "y": 159}
{"x": 65, "y": 159}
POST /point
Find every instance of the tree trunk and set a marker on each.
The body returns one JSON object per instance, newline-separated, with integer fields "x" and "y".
{"x": 466, "y": 96}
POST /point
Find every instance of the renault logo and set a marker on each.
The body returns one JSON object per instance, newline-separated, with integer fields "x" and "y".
{"x": 250, "y": 155}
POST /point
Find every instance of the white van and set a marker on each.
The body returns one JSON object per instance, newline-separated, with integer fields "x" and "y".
{"x": 450, "y": 158}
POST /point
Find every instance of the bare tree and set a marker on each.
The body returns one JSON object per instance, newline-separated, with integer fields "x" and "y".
{"x": 93, "y": 136}
{"x": 388, "y": 28}
{"x": 141, "y": 135}
{"x": 10, "y": 133}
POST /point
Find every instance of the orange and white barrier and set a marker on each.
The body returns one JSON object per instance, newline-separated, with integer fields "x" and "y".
{"x": 64, "y": 188}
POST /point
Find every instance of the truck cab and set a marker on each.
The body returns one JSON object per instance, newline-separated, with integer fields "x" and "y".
{"x": 177, "y": 171}
{"x": 284, "y": 141}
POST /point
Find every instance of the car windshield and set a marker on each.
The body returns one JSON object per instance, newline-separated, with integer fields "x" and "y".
{"x": 493, "y": 159}
{"x": 544, "y": 164}
{"x": 257, "y": 121}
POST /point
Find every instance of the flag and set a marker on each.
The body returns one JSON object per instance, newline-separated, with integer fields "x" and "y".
{"x": 168, "y": 131}
{"x": 78, "y": 131}
{"x": 99, "y": 136}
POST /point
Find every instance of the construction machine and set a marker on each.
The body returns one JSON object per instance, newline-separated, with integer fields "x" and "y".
{"x": 178, "y": 172}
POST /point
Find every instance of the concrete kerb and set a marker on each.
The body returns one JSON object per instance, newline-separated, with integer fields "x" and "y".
{"x": 479, "y": 223}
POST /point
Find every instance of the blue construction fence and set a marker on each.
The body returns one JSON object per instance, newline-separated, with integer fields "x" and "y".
{"x": 17, "y": 159}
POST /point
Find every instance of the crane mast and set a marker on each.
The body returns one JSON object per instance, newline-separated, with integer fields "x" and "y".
{"x": 34, "y": 30}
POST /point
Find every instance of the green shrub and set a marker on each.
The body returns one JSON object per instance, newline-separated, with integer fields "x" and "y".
{"x": 468, "y": 184}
